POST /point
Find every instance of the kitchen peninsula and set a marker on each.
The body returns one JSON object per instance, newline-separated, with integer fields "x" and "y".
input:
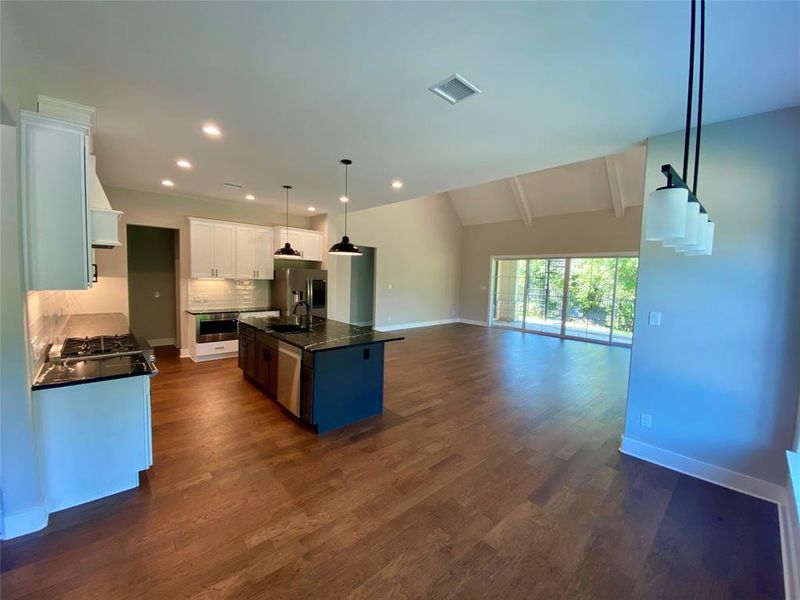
{"x": 327, "y": 373}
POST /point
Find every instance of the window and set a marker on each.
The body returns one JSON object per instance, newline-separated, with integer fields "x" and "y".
{"x": 584, "y": 298}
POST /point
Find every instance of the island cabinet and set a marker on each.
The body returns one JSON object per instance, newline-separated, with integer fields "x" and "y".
{"x": 258, "y": 358}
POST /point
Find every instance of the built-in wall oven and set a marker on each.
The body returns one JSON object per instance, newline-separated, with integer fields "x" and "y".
{"x": 216, "y": 327}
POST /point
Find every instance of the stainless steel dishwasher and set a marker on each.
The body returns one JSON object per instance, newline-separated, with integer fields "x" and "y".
{"x": 290, "y": 360}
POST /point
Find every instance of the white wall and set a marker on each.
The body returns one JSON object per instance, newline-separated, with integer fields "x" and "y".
{"x": 417, "y": 251}
{"x": 720, "y": 375}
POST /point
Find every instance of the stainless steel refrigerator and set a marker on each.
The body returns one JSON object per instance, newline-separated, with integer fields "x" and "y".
{"x": 294, "y": 286}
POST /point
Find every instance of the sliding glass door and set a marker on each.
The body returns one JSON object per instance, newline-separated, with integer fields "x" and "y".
{"x": 584, "y": 298}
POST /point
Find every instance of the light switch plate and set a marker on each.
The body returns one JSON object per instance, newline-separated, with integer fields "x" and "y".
{"x": 654, "y": 318}
{"x": 646, "y": 420}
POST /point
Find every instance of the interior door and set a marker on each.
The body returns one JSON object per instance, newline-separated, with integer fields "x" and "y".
{"x": 265, "y": 247}
{"x": 224, "y": 241}
{"x": 245, "y": 252}
{"x": 201, "y": 235}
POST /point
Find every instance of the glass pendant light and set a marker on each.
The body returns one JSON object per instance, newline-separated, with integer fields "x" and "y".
{"x": 286, "y": 249}
{"x": 345, "y": 247}
{"x": 690, "y": 236}
{"x": 665, "y": 214}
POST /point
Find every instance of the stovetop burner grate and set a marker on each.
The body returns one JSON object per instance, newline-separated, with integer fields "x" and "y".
{"x": 101, "y": 344}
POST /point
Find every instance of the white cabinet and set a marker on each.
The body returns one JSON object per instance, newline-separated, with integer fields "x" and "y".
{"x": 54, "y": 161}
{"x": 225, "y": 250}
{"x": 254, "y": 252}
{"x": 212, "y": 249}
{"x": 239, "y": 251}
{"x": 265, "y": 253}
{"x": 305, "y": 241}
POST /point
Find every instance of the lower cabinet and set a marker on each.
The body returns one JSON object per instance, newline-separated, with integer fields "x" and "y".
{"x": 267, "y": 368}
{"x": 258, "y": 358}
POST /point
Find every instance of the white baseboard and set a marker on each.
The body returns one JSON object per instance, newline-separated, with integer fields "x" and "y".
{"x": 208, "y": 357}
{"x": 161, "y": 342}
{"x": 747, "y": 484}
{"x": 416, "y": 325}
{"x": 184, "y": 353}
{"x": 474, "y": 322}
{"x": 23, "y": 522}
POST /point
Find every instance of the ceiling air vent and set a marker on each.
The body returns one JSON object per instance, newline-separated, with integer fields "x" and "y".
{"x": 454, "y": 89}
{"x": 233, "y": 186}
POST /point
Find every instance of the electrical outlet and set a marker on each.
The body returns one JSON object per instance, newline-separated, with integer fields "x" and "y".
{"x": 654, "y": 318}
{"x": 483, "y": 288}
{"x": 390, "y": 286}
{"x": 156, "y": 294}
{"x": 646, "y": 420}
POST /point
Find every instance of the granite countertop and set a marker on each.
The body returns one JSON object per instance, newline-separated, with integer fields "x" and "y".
{"x": 206, "y": 311}
{"x": 325, "y": 334}
{"x": 55, "y": 374}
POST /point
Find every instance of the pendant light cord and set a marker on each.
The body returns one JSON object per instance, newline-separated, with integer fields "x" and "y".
{"x": 699, "y": 93}
{"x": 687, "y": 134}
{"x": 287, "y": 214}
{"x": 346, "y": 196}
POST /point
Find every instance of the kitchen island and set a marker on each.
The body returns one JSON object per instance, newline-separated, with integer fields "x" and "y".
{"x": 326, "y": 373}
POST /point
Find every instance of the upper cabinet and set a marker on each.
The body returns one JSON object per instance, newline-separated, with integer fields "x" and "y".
{"x": 230, "y": 250}
{"x": 212, "y": 249}
{"x": 54, "y": 157}
{"x": 254, "y": 252}
{"x": 306, "y": 241}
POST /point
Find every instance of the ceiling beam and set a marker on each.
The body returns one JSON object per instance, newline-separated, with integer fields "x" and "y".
{"x": 522, "y": 199}
{"x": 614, "y": 187}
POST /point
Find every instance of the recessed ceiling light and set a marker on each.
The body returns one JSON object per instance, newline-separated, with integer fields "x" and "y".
{"x": 249, "y": 197}
{"x": 183, "y": 163}
{"x": 311, "y": 209}
{"x": 167, "y": 183}
{"x": 344, "y": 199}
{"x": 211, "y": 130}
{"x": 397, "y": 184}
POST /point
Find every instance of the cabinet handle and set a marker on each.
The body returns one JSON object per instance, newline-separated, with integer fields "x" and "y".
{"x": 219, "y": 347}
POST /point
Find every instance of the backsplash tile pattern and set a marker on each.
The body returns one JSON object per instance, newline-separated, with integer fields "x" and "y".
{"x": 47, "y": 314}
{"x": 227, "y": 293}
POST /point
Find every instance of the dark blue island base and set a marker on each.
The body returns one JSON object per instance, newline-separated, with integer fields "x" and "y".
{"x": 341, "y": 374}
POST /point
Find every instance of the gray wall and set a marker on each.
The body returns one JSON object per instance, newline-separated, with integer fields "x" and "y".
{"x": 151, "y": 268}
{"x": 362, "y": 287}
{"x": 720, "y": 375}
{"x": 586, "y": 233}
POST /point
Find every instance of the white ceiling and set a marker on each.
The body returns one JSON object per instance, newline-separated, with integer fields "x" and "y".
{"x": 612, "y": 182}
{"x": 296, "y": 86}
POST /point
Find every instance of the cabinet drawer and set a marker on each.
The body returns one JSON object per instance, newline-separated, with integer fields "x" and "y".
{"x": 217, "y": 347}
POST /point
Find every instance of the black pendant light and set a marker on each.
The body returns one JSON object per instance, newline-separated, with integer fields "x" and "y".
{"x": 345, "y": 247}
{"x": 286, "y": 249}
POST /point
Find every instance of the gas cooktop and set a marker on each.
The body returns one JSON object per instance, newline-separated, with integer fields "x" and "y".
{"x": 99, "y": 345}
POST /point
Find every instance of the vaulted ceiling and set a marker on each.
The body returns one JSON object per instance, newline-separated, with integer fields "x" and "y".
{"x": 295, "y": 86}
{"x": 612, "y": 182}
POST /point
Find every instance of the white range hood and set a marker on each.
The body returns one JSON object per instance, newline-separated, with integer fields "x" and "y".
{"x": 105, "y": 220}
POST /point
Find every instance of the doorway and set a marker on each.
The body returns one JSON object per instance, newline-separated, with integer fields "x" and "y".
{"x": 362, "y": 288}
{"x": 152, "y": 283}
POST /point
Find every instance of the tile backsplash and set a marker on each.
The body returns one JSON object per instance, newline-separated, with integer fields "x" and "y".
{"x": 47, "y": 314}
{"x": 228, "y": 293}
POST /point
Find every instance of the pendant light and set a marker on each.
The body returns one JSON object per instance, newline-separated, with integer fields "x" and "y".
{"x": 673, "y": 214}
{"x": 345, "y": 247}
{"x": 286, "y": 249}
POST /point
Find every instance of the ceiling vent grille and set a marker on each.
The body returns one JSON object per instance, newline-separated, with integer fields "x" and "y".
{"x": 454, "y": 89}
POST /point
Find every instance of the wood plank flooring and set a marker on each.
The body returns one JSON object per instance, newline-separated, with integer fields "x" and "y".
{"x": 493, "y": 473}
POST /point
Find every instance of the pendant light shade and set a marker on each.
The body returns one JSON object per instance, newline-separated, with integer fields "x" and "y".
{"x": 706, "y": 246}
{"x": 697, "y": 240}
{"x": 665, "y": 214}
{"x": 690, "y": 237}
{"x": 345, "y": 247}
{"x": 286, "y": 249}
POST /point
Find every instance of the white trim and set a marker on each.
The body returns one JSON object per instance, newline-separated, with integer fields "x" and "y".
{"x": 207, "y": 357}
{"x": 363, "y": 323}
{"x": 162, "y": 342}
{"x": 24, "y": 522}
{"x": 616, "y": 254}
{"x": 746, "y": 484}
{"x": 473, "y": 322}
{"x": 415, "y": 325}
{"x": 184, "y": 353}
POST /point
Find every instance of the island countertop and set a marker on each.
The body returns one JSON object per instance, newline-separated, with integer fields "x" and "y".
{"x": 324, "y": 334}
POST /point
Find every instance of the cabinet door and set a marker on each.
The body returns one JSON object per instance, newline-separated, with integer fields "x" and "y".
{"x": 54, "y": 161}
{"x": 264, "y": 254}
{"x": 272, "y": 368}
{"x": 201, "y": 234}
{"x": 224, "y": 250}
{"x": 246, "y": 252}
{"x": 311, "y": 245}
{"x": 242, "y": 358}
{"x": 250, "y": 364}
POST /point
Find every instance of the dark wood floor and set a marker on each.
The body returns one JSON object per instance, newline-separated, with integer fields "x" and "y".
{"x": 494, "y": 473}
